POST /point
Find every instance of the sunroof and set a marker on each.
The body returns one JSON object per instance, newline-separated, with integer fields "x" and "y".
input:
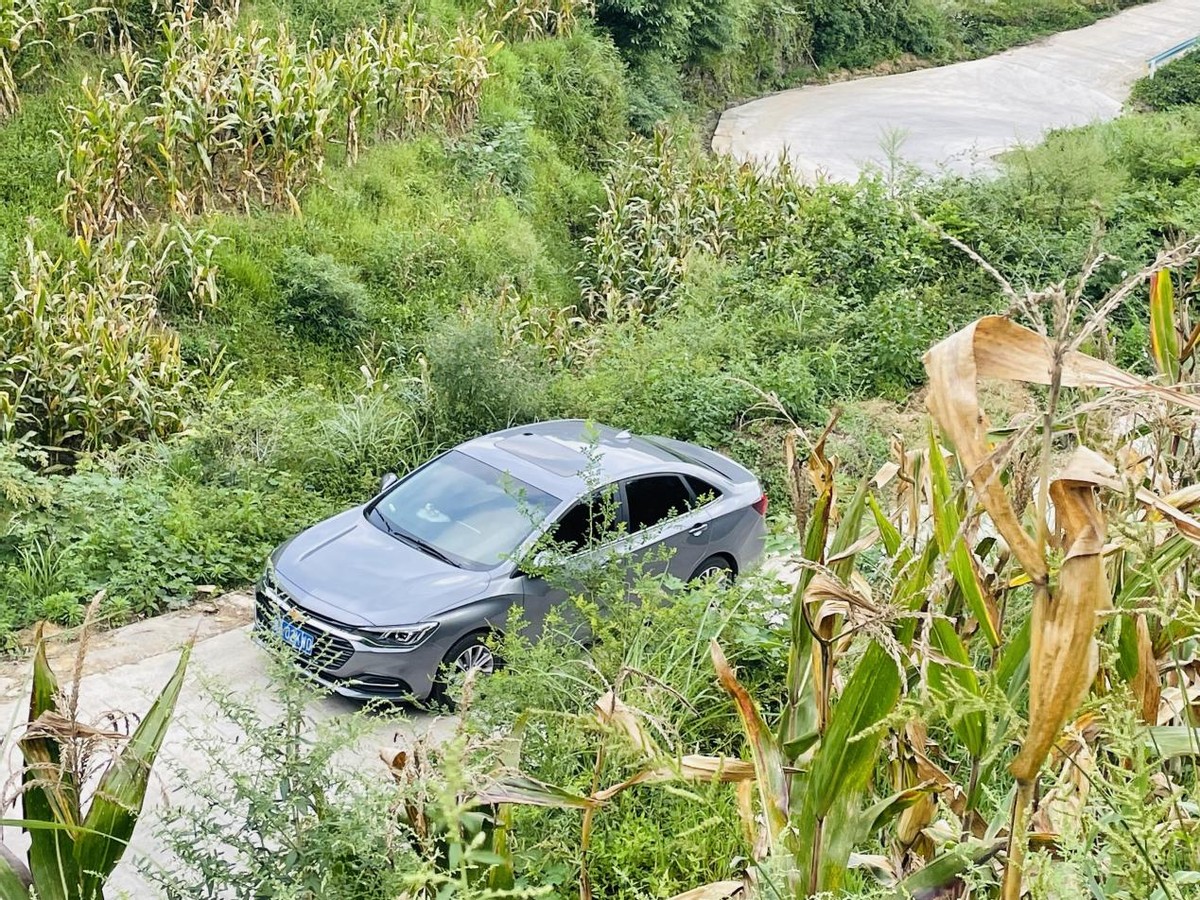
{"x": 553, "y": 456}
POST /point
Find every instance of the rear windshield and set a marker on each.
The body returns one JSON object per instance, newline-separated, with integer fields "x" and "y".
{"x": 473, "y": 514}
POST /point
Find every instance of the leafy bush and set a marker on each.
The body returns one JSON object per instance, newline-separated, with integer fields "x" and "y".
{"x": 322, "y": 300}
{"x": 497, "y": 153}
{"x": 1175, "y": 84}
{"x": 860, "y": 32}
{"x": 655, "y": 664}
{"x": 331, "y": 828}
{"x": 576, "y": 89}
{"x": 477, "y": 383}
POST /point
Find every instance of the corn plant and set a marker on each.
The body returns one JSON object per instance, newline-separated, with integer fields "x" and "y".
{"x": 31, "y": 31}
{"x": 101, "y": 149}
{"x": 243, "y": 115}
{"x": 86, "y": 363}
{"x": 526, "y": 20}
{"x": 963, "y": 545}
{"x": 82, "y": 786}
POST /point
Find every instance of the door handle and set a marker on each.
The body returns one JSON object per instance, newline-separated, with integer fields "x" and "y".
{"x": 697, "y": 530}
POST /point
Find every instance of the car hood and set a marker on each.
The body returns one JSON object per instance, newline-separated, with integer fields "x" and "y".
{"x": 346, "y": 569}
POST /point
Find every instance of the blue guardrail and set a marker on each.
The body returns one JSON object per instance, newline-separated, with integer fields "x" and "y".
{"x": 1167, "y": 55}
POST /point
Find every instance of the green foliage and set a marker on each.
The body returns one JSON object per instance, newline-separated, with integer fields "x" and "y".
{"x": 1175, "y": 84}
{"x": 657, "y": 666}
{"x": 861, "y": 32}
{"x": 987, "y": 26}
{"x": 577, "y": 90}
{"x": 334, "y": 826}
{"x": 497, "y": 153}
{"x": 322, "y": 301}
{"x": 477, "y": 384}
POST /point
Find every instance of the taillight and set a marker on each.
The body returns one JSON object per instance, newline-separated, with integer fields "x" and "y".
{"x": 760, "y": 505}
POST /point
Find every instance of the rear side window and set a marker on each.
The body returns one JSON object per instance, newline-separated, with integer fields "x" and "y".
{"x": 655, "y": 499}
{"x": 705, "y": 492}
{"x": 588, "y": 522}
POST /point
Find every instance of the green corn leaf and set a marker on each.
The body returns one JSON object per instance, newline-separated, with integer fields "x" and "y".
{"x": 893, "y": 541}
{"x": 931, "y": 881}
{"x": 971, "y": 728}
{"x": 1164, "y": 339}
{"x": 879, "y": 815}
{"x": 848, "y": 531}
{"x": 122, "y": 790}
{"x": 11, "y": 887}
{"x": 48, "y": 795}
{"x": 525, "y": 791}
{"x": 1012, "y": 669}
{"x": 830, "y": 817}
{"x": 947, "y": 521}
{"x": 1173, "y": 741}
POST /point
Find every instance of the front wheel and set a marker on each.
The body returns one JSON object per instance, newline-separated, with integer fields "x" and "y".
{"x": 470, "y": 653}
{"x": 715, "y": 568}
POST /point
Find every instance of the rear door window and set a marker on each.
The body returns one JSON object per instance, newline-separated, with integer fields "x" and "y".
{"x": 655, "y": 499}
{"x": 705, "y": 492}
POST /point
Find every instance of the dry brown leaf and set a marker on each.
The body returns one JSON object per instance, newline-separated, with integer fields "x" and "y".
{"x": 725, "y": 769}
{"x": 1146, "y": 685}
{"x": 720, "y": 890}
{"x": 1086, "y": 467}
{"x": 831, "y": 594}
{"x": 955, "y": 366}
{"x": 610, "y": 710}
{"x": 1063, "y": 654}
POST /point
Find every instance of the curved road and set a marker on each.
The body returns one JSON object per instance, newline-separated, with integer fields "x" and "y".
{"x": 957, "y": 118}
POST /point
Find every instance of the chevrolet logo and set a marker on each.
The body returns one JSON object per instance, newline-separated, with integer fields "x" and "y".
{"x": 296, "y": 617}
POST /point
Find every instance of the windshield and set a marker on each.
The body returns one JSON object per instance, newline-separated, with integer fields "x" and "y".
{"x": 464, "y": 510}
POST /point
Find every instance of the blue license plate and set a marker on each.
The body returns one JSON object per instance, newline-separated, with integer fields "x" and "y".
{"x": 295, "y": 636}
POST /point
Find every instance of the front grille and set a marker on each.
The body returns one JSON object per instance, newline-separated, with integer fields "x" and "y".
{"x": 330, "y": 651}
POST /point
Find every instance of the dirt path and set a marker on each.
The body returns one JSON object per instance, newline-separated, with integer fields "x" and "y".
{"x": 957, "y": 118}
{"x": 127, "y": 665}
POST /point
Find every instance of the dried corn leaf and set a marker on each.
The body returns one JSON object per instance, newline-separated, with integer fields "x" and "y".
{"x": 1063, "y": 654}
{"x": 1146, "y": 685}
{"x": 610, "y": 710}
{"x": 693, "y": 767}
{"x": 720, "y": 890}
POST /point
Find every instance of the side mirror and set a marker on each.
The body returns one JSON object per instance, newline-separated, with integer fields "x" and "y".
{"x": 532, "y": 567}
{"x": 388, "y": 479}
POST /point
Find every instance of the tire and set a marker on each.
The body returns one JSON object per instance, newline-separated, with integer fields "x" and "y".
{"x": 469, "y": 651}
{"x": 717, "y": 567}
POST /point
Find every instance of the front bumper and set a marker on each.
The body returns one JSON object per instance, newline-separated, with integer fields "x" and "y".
{"x": 342, "y": 661}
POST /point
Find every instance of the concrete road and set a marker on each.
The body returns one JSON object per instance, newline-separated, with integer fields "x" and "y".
{"x": 957, "y": 118}
{"x": 125, "y": 667}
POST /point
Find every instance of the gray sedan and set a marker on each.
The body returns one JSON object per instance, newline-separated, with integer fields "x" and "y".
{"x": 387, "y": 599}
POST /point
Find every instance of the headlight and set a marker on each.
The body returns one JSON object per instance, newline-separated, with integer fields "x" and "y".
{"x": 268, "y": 575}
{"x": 405, "y": 636}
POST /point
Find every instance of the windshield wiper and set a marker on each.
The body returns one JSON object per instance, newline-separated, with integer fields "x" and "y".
{"x": 417, "y": 542}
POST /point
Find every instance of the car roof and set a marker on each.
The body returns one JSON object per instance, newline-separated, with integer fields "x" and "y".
{"x": 565, "y": 457}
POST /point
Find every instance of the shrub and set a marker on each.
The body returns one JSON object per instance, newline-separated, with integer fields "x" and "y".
{"x": 1175, "y": 84}
{"x": 321, "y": 299}
{"x": 496, "y": 153}
{"x": 860, "y": 32}
{"x": 576, "y": 88}
{"x": 332, "y": 829}
{"x": 477, "y": 384}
